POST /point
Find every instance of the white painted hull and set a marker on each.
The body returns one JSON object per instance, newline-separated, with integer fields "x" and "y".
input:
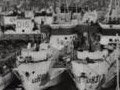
{"x": 94, "y": 73}
{"x": 92, "y": 55}
{"x": 41, "y": 72}
{"x": 64, "y": 25}
{"x": 106, "y": 40}
{"x": 17, "y": 32}
{"x": 110, "y": 26}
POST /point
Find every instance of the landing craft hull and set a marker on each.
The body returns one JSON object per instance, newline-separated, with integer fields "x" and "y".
{"x": 88, "y": 76}
{"x": 39, "y": 76}
{"x": 56, "y": 78}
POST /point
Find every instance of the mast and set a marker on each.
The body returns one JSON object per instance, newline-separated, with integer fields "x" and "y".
{"x": 60, "y": 2}
{"x": 110, "y": 8}
{"x": 76, "y": 8}
{"x": 77, "y": 2}
{"x": 118, "y": 7}
{"x": 117, "y": 61}
{"x": 67, "y": 6}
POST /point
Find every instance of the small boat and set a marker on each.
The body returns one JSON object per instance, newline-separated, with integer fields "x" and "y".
{"x": 35, "y": 67}
{"x": 95, "y": 70}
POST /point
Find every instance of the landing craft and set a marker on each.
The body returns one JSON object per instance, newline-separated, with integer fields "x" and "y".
{"x": 89, "y": 69}
{"x": 95, "y": 70}
{"x": 35, "y": 67}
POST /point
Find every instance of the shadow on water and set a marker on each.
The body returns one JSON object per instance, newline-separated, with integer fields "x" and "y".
{"x": 65, "y": 84}
{"x": 14, "y": 84}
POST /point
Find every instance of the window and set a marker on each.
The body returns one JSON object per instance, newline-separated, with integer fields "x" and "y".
{"x": 110, "y": 40}
{"x": 23, "y": 30}
{"x": 65, "y": 38}
{"x": 116, "y": 40}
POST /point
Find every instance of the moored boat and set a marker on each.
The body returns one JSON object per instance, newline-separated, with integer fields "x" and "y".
{"x": 96, "y": 70}
{"x": 89, "y": 70}
{"x": 35, "y": 67}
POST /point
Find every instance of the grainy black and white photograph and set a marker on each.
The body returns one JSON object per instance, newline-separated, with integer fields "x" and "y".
{"x": 59, "y": 44}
